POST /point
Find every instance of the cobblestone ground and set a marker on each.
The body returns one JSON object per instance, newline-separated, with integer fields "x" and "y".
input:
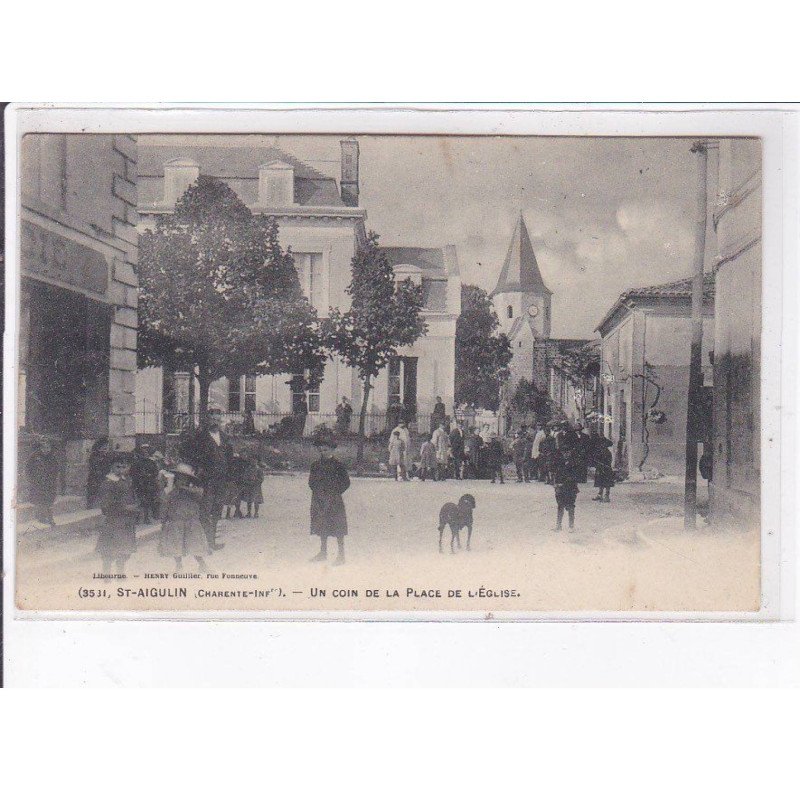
{"x": 629, "y": 555}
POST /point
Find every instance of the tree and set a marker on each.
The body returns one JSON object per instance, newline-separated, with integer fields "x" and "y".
{"x": 383, "y": 317}
{"x": 219, "y": 297}
{"x": 581, "y": 366}
{"x": 482, "y": 354}
{"x": 528, "y": 400}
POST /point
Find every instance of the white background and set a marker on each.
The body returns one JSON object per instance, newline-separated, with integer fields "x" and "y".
{"x": 455, "y": 744}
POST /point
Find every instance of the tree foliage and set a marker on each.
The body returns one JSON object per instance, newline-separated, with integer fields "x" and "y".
{"x": 383, "y": 317}
{"x": 529, "y": 402}
{"x": 482, "y": 354}
{"x": 580, "y": 365}
{"x": 217, "y": 294}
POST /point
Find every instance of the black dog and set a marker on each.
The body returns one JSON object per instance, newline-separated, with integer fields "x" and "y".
{"x": 457, "y": 517}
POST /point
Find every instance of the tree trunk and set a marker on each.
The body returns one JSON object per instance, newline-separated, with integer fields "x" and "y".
{"x": 204, "y": 379}
{"x": 362, "y": 419}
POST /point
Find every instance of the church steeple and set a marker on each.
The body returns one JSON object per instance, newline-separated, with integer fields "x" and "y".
{"x": 520, "y": 272}
{"x": 521, "y": 299}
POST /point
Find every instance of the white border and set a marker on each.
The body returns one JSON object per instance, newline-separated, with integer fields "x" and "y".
{"x": 779, "y": 131}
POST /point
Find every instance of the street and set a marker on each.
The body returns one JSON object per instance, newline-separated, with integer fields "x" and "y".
{"x": 629, "y": 555}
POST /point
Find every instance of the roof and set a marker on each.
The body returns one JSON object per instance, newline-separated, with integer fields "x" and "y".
{"x": 674, "y": 290}
{"x": 518, "y": 324}
{"x": 520, "y": 272}
{"x": 429, "y": 259}
{"x": 237, "y": 165}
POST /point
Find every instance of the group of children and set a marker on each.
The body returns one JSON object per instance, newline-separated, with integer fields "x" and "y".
{"x": 134, "y": 491}
{"x": 245, "y": 476}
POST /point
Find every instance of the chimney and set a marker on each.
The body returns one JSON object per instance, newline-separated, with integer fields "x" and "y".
{"x": 349, "y": 182}
{"x": 276, "y": 185}
{"x": 179, "y": 175}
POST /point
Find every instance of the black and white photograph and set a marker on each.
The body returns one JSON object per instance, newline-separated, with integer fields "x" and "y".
{"x": 351, "y": 372}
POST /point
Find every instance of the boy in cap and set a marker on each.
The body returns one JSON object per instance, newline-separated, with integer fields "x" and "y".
{"x": 117, "y": 539}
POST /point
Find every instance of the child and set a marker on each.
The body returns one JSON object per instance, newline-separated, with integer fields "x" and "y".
{"x": 117, "y": 540}
{"x": 42, "y": 472}
{"x": 397, "y": 452}
{"x": 328, "y": 481}
{"x": 427, "y": 460}
{"x": 232, "y": 500}
{"x": 564, "y": 465}
{"x": 252, "y": 478}
{"x": 144, "y": 475}
{"x": 182, "y": 532}
{"x": 494, "y": 459}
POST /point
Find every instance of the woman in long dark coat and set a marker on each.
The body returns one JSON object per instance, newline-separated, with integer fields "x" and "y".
{"x": 42, "y": 471}
{"x": 98, "y": 467}
{"x": 328, "y": 480}
{"x": 600, "y": 456}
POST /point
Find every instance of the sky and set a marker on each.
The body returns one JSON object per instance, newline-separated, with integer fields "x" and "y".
{"x": 604, "y": 214}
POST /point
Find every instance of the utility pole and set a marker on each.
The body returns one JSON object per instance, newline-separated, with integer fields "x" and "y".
{"x": 696, "y": 356}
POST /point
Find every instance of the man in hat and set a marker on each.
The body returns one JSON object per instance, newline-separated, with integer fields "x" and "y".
{"x": 211, "y": 454}
{"x": 328, "y": 481}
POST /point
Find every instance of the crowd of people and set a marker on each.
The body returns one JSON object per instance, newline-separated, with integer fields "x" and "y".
{"x": 559, "y": 454}
{"x": 210, "y": 480}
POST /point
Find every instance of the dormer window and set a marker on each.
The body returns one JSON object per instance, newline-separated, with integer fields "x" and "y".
{"x": 276, "y": 184}
{"x": 404, "y": 272}
{"x": 179, "y": 175}
{"x": 510, "y": 312}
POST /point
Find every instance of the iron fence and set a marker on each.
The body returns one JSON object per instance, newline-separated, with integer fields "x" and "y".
{"x": 282, "y": 424}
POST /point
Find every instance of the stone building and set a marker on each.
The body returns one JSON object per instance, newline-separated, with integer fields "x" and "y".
{"x": 78, "y": 298}
{"x": 735, "y": 487}
{"x": 523, "y": 305}
{"x": 319, "y": 217}
{"x": 644, "y": 355}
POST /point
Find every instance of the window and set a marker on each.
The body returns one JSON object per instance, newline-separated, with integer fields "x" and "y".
{"x": 304, "y": 399}
{"x": 510, "y": 312}
{"x": 242, "y": 390}
{"x": 249, "y": 392}
{"x": 234, "y": 394}
{"x": 395, "y": 382}
{"x": 311, "y": 273}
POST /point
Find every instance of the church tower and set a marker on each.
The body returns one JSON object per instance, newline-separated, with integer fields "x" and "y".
{"x": 522, "y": 303}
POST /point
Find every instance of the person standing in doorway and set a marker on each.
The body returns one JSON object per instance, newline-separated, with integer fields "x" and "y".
{"x": 328, "y": 481}
{"x": 42, "y": 471}
{"x": 97, "y": 470}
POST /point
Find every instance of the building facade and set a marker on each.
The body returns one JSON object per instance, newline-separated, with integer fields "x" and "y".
{"x": 78, "y": 298}
{"x": 735, "y": 486}
{"x": 644, "y": 371}
{"x": 320, "y": 219}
